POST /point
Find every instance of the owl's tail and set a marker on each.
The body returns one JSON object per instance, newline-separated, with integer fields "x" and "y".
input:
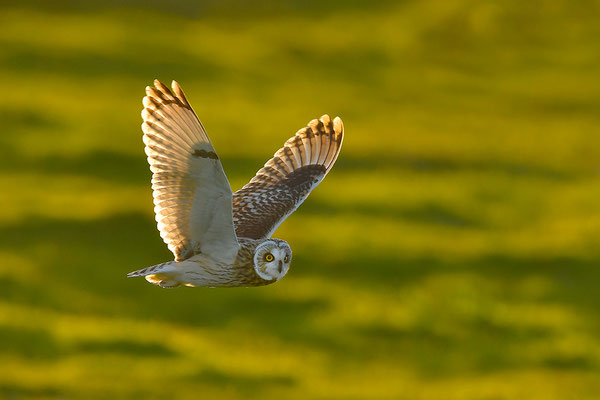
{"x": 160, "y": 274}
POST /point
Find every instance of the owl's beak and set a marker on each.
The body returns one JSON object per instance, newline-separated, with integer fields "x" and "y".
{"x": 280, "y": 268}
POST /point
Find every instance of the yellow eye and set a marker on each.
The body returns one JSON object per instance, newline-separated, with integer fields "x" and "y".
{"x": 286, "y": 259}
{"x": 269, "y": 257}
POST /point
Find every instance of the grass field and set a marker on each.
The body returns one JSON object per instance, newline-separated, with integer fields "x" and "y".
{"x": 452, "y": 253}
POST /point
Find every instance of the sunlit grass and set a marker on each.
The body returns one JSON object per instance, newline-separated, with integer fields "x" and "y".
{"x": 450, "y": 254}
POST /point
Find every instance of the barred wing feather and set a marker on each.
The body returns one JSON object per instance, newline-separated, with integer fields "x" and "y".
{"x": 287, "y": 179}
{"x": 192, "y": 196}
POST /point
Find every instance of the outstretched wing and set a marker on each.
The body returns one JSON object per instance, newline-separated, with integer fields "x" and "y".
{"x": 287, "y": 179}
{"x": 192, "y": 197}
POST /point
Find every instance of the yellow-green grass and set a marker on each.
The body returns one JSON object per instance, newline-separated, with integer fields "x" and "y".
{"x": 452, "y": 253}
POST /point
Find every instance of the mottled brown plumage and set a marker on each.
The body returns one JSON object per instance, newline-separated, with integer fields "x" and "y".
{"x": 287, "y": 179}
{"x": 220, "y": 238}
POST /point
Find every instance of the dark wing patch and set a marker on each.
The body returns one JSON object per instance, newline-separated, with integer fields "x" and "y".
{"x": 287, "y": 179}
{"x": 261, "y": 208}
{"x": 205, "y": 154}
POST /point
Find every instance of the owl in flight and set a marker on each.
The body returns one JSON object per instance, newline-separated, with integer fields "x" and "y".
{"x": 220, "y": 238}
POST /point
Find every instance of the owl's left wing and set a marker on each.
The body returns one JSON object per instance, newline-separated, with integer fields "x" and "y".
{"x": 287, "y": 179}
{"x": 192, "y": 196}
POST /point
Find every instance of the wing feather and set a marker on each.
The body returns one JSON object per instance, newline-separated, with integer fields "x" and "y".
{"x": 287, "y": 179}
{"x": 192, "y": 197}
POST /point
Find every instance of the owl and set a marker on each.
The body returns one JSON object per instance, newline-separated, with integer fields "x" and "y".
{"x": 220, "y": 238}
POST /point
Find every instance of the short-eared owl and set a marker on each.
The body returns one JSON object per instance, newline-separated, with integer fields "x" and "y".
{"x": 220, "y": 238}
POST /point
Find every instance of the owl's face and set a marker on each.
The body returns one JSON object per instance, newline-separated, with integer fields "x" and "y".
{"x": 272, "y": 259}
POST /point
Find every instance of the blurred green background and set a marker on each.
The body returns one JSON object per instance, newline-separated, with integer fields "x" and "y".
{"x": 452, "y": 253}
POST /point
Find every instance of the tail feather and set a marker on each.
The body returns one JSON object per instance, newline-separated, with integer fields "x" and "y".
{"x": 147, "y": 271}
{"x": 157, "y": 274}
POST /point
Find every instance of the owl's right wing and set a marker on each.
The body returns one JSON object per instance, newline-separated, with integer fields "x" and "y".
{"x": 287, "y": 179}
{"x": 192, "y": 197}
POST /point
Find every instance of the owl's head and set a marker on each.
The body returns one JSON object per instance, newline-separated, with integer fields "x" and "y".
{"x": 272, "y": 259}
